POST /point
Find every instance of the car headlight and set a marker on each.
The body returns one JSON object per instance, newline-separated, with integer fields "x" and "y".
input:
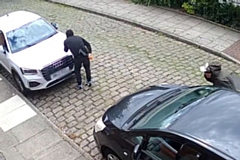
{"x": 99, "y": 126}
{"x": 26, "y": 71}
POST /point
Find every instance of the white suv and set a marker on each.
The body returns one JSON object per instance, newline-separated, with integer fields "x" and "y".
{"x": 31, "y": 49}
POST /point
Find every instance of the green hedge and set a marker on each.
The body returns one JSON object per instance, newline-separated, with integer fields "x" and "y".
{"x": 168, "y": 3}
{"x": 226, "y": 13}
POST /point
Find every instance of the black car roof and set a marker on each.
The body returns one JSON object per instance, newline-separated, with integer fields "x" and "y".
{"x": 214, "y": 120}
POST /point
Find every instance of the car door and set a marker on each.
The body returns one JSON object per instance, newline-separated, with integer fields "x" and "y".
{"x": 168, "y": 146}
{"x": 124, "y": 143}
{"x": 160, "y": 147}
{"x": 194, "y": 151}
{"x": 155, "y": 146}
{"x": 4, "y": 52}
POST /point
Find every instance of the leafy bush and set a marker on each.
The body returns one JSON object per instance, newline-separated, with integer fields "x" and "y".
{"x": 168, "y": 3}
{"x": 223, "y": 13}
{"x": 188, "y": 8}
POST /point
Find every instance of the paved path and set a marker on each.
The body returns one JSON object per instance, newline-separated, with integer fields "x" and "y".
{"x": 209, "y": 36}
{"x": 126, "y": 58}
{"x": 25, "y": 134}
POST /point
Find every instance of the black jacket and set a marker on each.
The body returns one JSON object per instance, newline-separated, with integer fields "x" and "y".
{"x": 223, "y": 79}
{"x": 78, "y": 46}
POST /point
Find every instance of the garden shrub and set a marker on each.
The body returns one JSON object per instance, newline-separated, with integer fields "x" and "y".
{"x": 222, "y": 13}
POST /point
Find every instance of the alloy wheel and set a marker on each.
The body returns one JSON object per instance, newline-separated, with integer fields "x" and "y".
{"x": 19, "y": 83}
{"x": 112, "y": 157}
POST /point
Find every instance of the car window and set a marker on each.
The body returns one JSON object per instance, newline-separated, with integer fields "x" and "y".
{"x": 29, "y": 34}
{"x": 165, "y": 114}
{"x": 3, "y": 41}
{"x": 136, "y": 140}
{"x": 163, "y": 148}
{"x": 195, "y": 152}
{"x": 168, "y": 149}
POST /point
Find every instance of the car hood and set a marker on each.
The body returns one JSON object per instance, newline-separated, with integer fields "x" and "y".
{"x": 129, "y": 106}
{"x": 41, "y": 54}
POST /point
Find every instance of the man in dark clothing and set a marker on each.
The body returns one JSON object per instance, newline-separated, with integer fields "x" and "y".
{"x": 81, "y": 50}
{"x": 213, "y": 73}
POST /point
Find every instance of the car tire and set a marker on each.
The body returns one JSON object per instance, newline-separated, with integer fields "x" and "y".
{"x": 19, "y": 83}
{"x": 110, "y": 155}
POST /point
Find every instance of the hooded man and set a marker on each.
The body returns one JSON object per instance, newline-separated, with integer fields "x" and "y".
{"x": 81, "y": 50}
{"x": 213, "y": 73}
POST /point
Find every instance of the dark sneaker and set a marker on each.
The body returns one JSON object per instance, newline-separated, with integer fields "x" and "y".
{"x": 89, "y": 83}
{"x": 80, "y": 86}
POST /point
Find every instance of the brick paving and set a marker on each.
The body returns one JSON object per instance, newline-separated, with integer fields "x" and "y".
{"x": 178, "y": 25}
{"x": 126, "y": 58}
{"x": 234, "y": 50}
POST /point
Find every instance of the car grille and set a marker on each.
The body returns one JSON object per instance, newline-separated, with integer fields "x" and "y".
{"x": 56, "y": 66}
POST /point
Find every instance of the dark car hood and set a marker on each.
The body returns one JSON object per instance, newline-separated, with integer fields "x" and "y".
{"x": 121, "y": 112}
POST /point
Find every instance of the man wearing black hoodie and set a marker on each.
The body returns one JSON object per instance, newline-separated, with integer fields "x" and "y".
{"x": 81, "y": 50}
{"x": 213, "y": 73}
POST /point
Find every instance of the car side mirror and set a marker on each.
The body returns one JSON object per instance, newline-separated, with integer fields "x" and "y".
{"x": 136, "y": 152}
{"x": 2, "y": 49}
{"x": 55, "y": 25}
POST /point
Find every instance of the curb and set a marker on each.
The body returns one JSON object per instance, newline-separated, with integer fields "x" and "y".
{"x": 167, "y": 34}
{"x": 52, "y": 125}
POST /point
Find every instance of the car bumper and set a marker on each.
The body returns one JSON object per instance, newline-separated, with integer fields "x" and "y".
{"x": 38, "y": 82}
{"x": 103, "y": 140}
{"x": 96, "y": 139}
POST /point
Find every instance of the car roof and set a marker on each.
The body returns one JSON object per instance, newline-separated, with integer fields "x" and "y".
{"x": 16, "y": 19}
{"x": 215, "y": 121}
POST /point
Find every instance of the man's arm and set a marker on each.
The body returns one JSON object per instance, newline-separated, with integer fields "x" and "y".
{"x": 225, "y": 83}
{"x": 88, "y": 45}
{"x": 230, "y": 83}
{"x": 65, "y": 46}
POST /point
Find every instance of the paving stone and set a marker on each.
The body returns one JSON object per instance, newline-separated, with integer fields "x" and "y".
{"x": 72, "y": 124}
{"x": 92, "y": 145}
{"x": 88, "y": 120}
{"x": 33, "y": 126}
{"x": 61, "y": 151}
{"x": 33, "y": 146}
{"x": 84, "y": 143}
{"x": 11, "y": 154}
{"x": 7, "y": 140}
{"x": 61, "y": 124}
{"x": 86, "y": 149}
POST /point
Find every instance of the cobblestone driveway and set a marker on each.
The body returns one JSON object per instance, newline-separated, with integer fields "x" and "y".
{"x": 126, "y": 58}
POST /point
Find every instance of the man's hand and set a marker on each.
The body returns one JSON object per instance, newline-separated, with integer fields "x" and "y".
{"x": 90, "y": 56}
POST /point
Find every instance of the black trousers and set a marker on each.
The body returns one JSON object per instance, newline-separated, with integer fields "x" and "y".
{"x": 78, "y": 62}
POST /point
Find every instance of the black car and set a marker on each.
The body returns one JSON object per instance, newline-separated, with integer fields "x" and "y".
{"x": 169, "y": 122}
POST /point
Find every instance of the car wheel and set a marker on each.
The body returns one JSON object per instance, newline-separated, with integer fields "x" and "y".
{"x": 110, "y": 155}
{"x": 19, "y": 83}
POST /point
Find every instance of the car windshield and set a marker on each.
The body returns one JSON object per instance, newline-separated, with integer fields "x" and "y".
{"x": 29, "y": 35}
{"x": 166, "y": 113}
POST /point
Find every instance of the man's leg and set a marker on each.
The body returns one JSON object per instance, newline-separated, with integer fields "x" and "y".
{"x": 86, "y": 65}
{"x": 77, "y": 70}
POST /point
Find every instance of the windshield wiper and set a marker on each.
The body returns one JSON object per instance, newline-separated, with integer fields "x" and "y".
{"x": 187, "y": 103}
{"x": 30, "y": 45}
{"x": 137, "y": 119}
